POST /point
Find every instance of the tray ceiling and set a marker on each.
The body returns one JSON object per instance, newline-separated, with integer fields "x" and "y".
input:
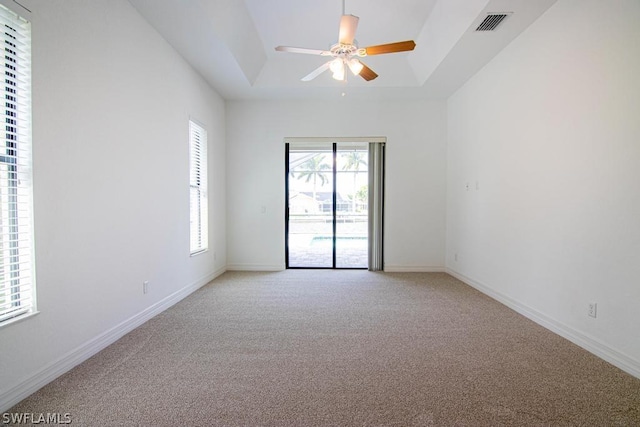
{"x": 231, "y": 43}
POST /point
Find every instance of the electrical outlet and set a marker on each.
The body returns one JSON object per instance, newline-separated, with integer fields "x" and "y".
{"x": 145, "y": 286}
{"x": 593, "y": 309}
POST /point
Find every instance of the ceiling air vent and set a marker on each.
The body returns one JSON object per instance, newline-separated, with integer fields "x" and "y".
{"x": 492, "y": 21}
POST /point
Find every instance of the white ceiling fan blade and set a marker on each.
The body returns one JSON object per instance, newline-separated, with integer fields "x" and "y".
{"x": 315, "y": 73}
{"x": 348, "y": 26}
{"x": 292, "y": 49}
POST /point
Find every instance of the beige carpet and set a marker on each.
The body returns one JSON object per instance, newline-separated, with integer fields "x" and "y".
{"x": 352, "y": 348}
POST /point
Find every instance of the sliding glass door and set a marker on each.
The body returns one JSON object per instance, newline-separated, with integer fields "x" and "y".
{"x": 351, "y": 208}
{"x": 327, "y": 205}
{"x": 310, "y": 183}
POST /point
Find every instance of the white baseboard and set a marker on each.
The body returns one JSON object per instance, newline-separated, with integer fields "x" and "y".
{"x": 255, "y": 267}
{"x": 78, "y": 355}
{"x": 387, "y": 268}
{"x": 413, "y": 269}
{"x": 589, "y": 343}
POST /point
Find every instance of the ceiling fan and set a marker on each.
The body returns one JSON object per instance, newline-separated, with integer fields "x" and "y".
{"x": 346, "y": 53}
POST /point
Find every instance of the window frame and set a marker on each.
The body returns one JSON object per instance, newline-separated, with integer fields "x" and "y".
{"x": 18, "y": 285}
{"x": 198, "y": 188}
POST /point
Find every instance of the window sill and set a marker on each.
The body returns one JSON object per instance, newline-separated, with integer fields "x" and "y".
{"x": 18, "y": 318}
{"x": 192, "y": 254}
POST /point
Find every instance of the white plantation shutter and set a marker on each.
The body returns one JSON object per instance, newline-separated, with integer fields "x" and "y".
{"x": 17, "y": 284}
{"x": 199, "y": 235}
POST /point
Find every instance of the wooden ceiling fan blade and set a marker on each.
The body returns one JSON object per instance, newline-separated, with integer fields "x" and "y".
{"x": 304, "y": 50}
{"x": 391, "y": 47}
{"x": 315, "y": 73}
{"x": 348, "y": 27}
{"x": 367, "y": 73}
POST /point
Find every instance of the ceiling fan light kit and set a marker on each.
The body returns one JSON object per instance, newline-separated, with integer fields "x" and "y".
{"x": 355, "y": 66}
{"x": 337, "y": 67}
{"x": 345, "y": 53}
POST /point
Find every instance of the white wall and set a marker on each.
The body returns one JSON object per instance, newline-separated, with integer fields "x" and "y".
{"x": 111, "y": 104}
{"x": 415, "y": 175}
{"x": 550, "y": 131}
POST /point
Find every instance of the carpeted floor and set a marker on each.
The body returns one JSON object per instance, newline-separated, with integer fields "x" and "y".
{"x": 353, "y": 348}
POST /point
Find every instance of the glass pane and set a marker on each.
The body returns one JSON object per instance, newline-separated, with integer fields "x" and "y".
{"x": 351, "y": 207}
{"x": 311, "y": 208}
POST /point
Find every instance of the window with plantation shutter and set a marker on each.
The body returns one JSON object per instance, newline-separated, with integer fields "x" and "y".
{"x": 198, "y": 188}
{"x": 17, "y": 284}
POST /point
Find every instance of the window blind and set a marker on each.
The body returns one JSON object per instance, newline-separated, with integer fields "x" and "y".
{"x": 376, "y": 206}
{"x": 198, "y": 188}
{"x": 17, "y": 282}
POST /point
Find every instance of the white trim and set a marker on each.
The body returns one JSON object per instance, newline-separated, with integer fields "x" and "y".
{"x": 198, "y": 181}
{"x": 255, "y": 267}
{"x": 589, "y": 343}
{"x": 316, "y": 139}
{"x": 17, "y": 8}
{"x": 198, "y": 122}
{"x": 19, "y": 318}
{"x": 413, "y": 269}
{"x": 19, "y": 289}
{"x": 202, "y": 251}
{"x": 78, "y": 355}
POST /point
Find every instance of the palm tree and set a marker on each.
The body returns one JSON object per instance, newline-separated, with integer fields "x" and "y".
{"x": 354, "y": 159}
{"x": 313, "y": 169}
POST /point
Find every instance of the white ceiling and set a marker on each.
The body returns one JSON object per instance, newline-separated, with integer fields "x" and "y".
{"x": 231, "y": 43}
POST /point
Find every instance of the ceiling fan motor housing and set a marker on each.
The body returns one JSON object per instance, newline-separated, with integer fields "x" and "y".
{"x": 346, "y": 50}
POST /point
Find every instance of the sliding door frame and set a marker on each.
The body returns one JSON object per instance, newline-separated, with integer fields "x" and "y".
{"x": 334, "y": 222}
{"x": 375, "y": 255}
